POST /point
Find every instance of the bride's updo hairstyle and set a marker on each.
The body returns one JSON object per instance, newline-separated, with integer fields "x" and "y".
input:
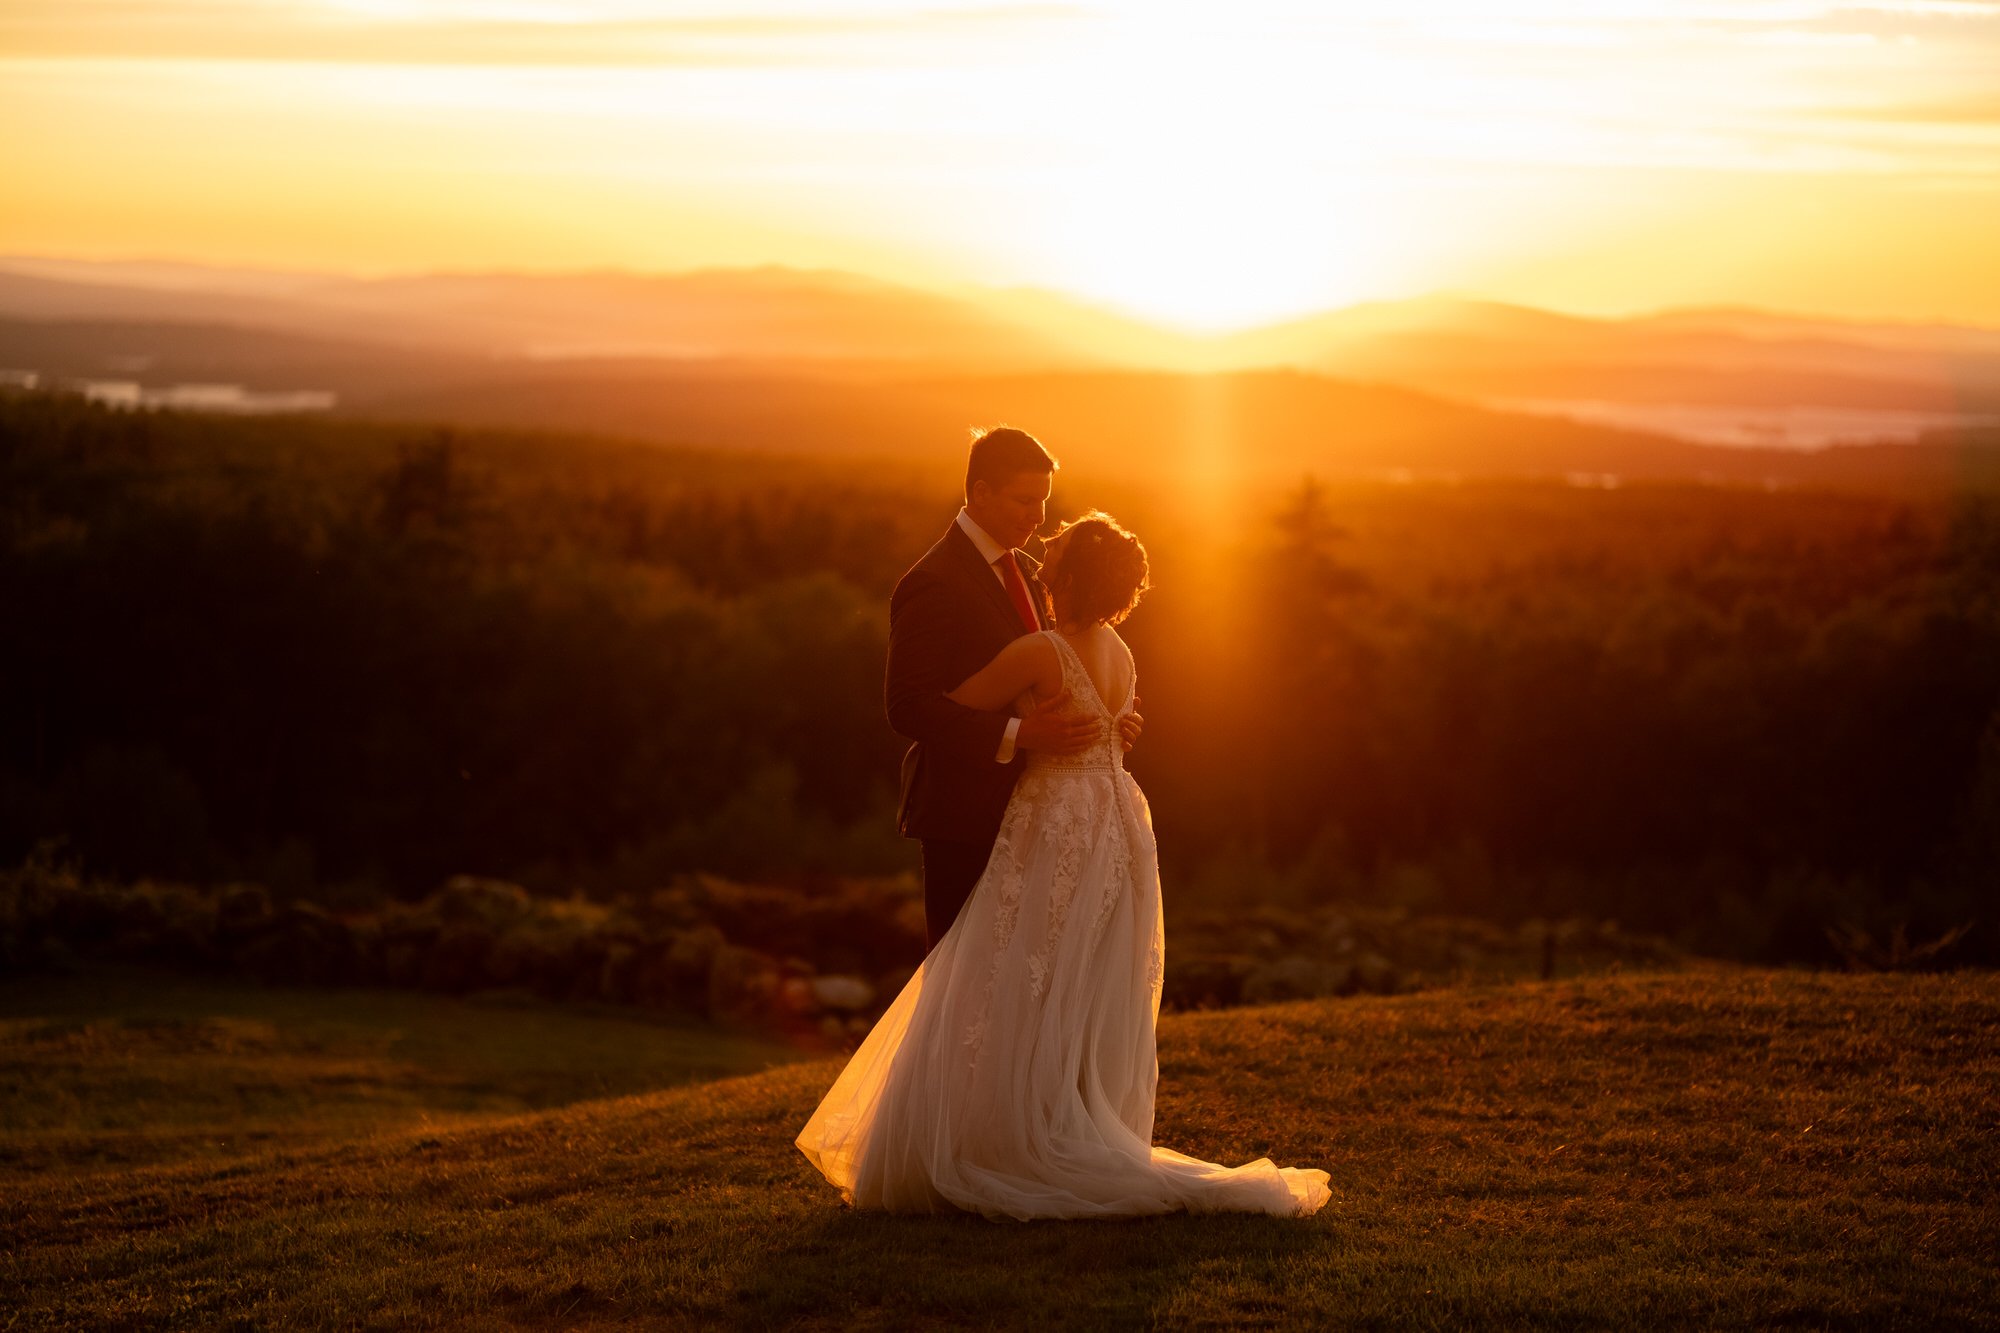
{"x": 1102, "y": 573}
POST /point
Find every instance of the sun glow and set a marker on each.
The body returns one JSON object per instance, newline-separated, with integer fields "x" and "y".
{"x": 1201, "y": 168}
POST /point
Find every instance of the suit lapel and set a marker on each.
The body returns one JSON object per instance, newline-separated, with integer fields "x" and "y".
{"x": 1032, "y": 569}
{"x": 981, "y": 573}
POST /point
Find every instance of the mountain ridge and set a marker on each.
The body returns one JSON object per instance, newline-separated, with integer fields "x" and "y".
{"x": 142, "y": 280}
{"x": 421, "y": 342}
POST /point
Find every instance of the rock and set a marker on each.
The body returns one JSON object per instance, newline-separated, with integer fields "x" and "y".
{"x": 1296, "y": 977}
{"x": 846, "y": 994}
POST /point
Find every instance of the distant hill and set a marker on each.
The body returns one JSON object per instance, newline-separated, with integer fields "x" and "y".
{"x": 1248, "y": 427}
{"x": 165, "y": 352}
{"x": 1462, "y": 346}
{"x": 1245, "y": 427}
{"x": 778, "y": 357}
{"x": 1494, "y": 351}
{"x": 1255, "y": 425}
{"x": 764, "y": 313}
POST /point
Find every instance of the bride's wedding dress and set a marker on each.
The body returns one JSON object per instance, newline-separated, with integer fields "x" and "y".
{"x": 1014, "y": 1075}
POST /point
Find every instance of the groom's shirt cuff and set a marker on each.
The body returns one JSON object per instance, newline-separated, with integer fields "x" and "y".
{"x": 1006, "y": 754}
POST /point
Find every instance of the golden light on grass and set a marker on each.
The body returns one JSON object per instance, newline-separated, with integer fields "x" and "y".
{"x": 1762, "y": 1143}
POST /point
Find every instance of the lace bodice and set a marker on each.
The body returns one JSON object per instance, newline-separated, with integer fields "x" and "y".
{"x": 1107, "y": 752}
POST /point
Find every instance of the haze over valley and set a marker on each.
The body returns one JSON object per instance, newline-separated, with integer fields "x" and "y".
{"x": 817, "y": 361}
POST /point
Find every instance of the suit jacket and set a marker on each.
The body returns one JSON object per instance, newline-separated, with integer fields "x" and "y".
{"x": 947, "y": 618}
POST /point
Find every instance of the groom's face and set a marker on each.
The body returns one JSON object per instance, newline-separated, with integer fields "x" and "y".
{"x": 1012, "y": 510}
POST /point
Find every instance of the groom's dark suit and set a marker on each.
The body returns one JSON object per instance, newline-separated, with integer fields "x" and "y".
{"x": 948, "y": 617}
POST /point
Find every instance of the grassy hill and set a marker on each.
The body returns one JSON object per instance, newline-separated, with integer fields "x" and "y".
{"x": 1711, "y": 1148}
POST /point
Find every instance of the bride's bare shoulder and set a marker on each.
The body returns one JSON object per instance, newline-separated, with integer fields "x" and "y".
{"x": 1034, "y": 652}
{"x": 1029, "y": 662}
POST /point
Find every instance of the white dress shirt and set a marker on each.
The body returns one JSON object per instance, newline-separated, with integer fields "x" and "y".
{"x": 991, "y": 551}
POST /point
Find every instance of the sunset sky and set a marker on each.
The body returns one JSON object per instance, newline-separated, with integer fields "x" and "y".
{"x": 1208, "y": 166}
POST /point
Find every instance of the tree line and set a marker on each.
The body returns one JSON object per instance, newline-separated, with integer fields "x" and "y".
{"x": 349, "y": 661}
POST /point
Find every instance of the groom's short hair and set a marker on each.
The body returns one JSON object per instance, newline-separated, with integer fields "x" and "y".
{"x": 1000, "y": 452}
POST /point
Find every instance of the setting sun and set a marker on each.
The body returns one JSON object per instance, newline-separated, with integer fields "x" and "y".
{"x": 1203, "y": 168}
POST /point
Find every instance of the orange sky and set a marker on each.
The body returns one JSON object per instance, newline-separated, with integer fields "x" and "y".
{"x": 1207, "y": 166}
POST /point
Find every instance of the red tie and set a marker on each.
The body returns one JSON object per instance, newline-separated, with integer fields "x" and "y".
{"x": 1017, "y": 588}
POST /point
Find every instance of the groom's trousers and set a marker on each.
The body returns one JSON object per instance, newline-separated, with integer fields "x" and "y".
{"x": 951, "y": 869}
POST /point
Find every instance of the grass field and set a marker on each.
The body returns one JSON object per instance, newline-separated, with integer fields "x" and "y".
{"x": 1703, "y": 1148}
{"x": 121, "y": 1069}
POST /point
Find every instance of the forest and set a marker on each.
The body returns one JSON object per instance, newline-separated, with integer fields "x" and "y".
{"x": 349, "y": 661}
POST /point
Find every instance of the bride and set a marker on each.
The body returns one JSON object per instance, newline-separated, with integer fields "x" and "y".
{"x": 1014, "y": 1074}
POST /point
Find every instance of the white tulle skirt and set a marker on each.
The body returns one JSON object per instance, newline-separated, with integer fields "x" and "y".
{"x": 1014, "y": 1076}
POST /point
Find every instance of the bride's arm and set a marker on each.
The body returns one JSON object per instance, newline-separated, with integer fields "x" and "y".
{"x": 1028, "y": 663}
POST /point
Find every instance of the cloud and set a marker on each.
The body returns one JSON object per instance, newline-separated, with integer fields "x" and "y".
{"x": 1980, "y": 109}
{"x": 429, "y": 33}
{"x": 837, "y": 32}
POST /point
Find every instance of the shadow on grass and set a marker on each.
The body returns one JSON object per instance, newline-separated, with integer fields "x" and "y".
{"x": 849, "y": 1268}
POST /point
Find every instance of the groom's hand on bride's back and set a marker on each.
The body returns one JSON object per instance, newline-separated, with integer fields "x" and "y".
{"x": 1056, "y": 728}
{"x": 1130, "y": 725}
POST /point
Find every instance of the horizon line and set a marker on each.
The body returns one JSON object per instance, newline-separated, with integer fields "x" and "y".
{"x": 971, "y": 289}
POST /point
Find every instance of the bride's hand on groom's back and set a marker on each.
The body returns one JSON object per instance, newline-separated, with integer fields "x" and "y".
{"x": 1130, "y": 725}
{"x": 1056, "y": 727}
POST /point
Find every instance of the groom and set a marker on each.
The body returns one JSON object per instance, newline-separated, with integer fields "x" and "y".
{"x": 972, "y": 594}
